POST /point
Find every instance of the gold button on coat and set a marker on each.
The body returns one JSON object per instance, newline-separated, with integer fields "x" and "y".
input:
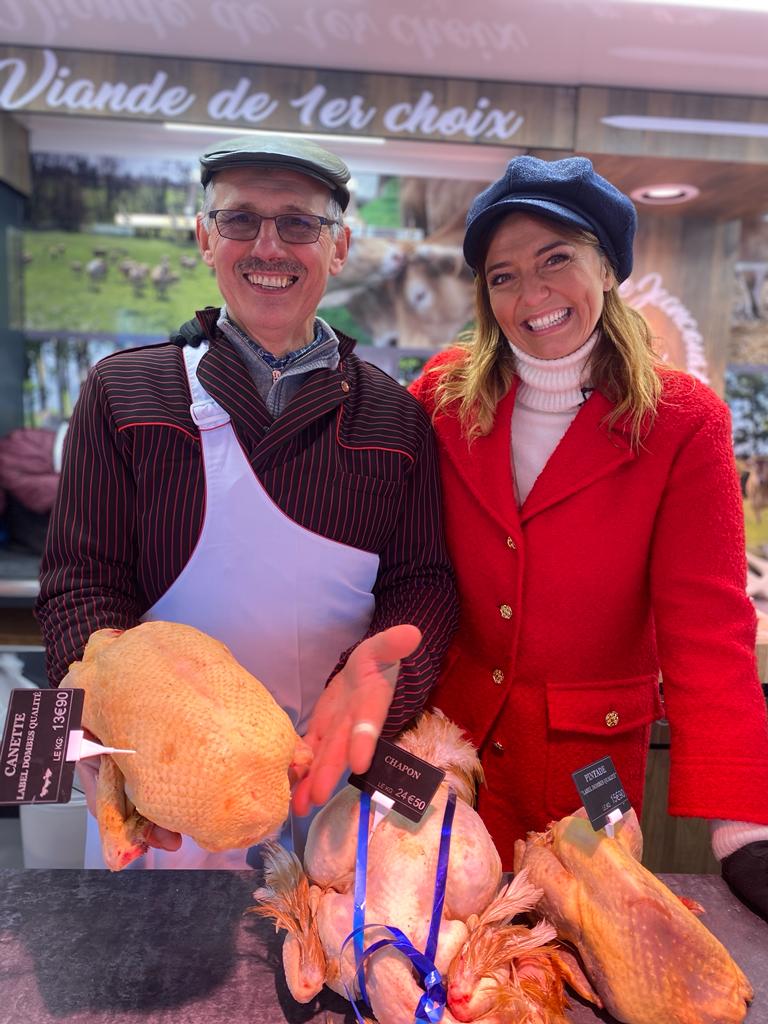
{"x": 511, "y": 544}
{"x": 345, "y": 385}
{"x": 506, "y": 611}
{"x": 611, "y": 719}
{"x": 498, "y": 676}
{"x": 498, "y": 747}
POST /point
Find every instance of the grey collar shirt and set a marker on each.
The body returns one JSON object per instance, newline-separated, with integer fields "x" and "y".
{"x": 278, "y": 378}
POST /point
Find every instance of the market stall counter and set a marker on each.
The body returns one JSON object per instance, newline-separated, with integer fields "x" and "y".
{"x": 177, "y": 947}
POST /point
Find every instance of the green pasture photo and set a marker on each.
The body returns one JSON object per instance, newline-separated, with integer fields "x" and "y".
{"x": 62, "y": 297}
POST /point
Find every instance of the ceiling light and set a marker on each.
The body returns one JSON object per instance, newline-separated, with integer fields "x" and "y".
{"x": 173, "y": 126}
{"x": 666, "y": 194}
{"x": 688, "y": 125}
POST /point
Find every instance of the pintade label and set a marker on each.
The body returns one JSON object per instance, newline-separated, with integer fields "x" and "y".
{"x": 601, "y": 791}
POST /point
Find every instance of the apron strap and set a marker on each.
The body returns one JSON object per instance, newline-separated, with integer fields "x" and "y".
{"x": 205, "y": 412}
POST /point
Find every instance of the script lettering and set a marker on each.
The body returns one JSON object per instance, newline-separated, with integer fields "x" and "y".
{"x": 9, "y": 100}
{"x": 424, "y": 116}
{"x": 83, "y": 94}
{"x": 238, "y": 103}
{"x": 336, "y": 112}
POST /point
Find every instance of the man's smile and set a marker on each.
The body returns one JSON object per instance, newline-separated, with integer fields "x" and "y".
{"x": 272, "y": 282}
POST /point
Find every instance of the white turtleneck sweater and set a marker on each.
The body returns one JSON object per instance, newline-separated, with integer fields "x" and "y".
{"x": 548, "y": 397}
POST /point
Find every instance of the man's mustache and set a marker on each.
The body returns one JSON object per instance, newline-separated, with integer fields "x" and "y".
{"x": 254, "y": 266}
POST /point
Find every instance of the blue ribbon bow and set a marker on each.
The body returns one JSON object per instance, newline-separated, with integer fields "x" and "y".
{"x": 432, "y": 1003}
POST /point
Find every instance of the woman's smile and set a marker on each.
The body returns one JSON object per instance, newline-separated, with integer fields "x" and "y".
{"x": 548, "y": 321}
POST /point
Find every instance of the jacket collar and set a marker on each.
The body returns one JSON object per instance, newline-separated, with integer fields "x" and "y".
{"x": 209, "y": 317}
{"x": 485, "y": 465}
{"x": 586, "y": 452}
{"x": 225, "y": 377}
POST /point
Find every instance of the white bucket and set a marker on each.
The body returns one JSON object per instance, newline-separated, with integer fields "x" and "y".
{"x": 53, "y": 835}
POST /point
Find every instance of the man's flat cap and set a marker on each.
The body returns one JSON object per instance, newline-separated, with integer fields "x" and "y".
{"x": 570, "y": 191}
{"x": 286, "y": 152}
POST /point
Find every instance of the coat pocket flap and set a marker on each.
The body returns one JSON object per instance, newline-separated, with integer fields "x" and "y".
{"x": 606, "y": 707}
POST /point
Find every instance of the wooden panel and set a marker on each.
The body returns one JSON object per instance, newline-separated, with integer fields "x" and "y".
{"x": 681, "y": 282}
{"x": 14, "y": 155}
{"x": 672, "y": 843}
{"x": 89, "y": 84}
{"x": 18, "y": 626}
{"x": 594, "y": 135}
{"x": 762, "y": 662}
{"x": 727, "y": 191}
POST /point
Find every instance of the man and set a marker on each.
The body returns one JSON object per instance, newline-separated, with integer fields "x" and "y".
{"x": 291, "y": 510}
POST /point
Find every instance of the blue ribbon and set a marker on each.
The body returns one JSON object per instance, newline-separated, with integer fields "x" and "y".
{"x": 432, "y": 1003}
{"x": 361, "y": 874}
{"x": 441, "y": 876}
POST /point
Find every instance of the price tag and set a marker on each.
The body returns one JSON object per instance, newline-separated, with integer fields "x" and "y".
{"x": 602, "y": 794}
{"x": 33, "y": 756}
{"x": 407, "y": 780}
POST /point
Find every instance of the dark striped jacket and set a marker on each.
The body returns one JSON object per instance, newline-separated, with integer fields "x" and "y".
{"x": 352, "y": 458}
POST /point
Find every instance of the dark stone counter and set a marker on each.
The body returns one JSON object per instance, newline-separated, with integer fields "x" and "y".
{"x": 176, "y": 947}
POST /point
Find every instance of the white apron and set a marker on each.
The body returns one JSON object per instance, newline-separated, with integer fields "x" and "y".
{"x": 285, "y": 601}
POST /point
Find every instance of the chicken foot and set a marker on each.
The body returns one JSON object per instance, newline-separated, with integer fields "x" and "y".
{"x": 123, "y": 830}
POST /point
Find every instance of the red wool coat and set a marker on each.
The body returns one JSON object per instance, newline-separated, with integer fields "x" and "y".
{"x": 618, "y": 566}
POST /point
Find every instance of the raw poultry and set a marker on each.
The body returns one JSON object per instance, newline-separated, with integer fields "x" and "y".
{"x": 606, "y": 927}
{"x": 647, "y": 955}
{"x": 315, "y": 904}
{"x": 212, "y": 746}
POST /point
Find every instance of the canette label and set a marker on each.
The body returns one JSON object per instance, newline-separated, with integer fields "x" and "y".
{"x": 33, "y": 765}
{"x": 404, "y": 778}
{"x": 601, "y": 791}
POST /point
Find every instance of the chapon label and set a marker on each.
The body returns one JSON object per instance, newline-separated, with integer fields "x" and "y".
{"x": 407, "y": 780}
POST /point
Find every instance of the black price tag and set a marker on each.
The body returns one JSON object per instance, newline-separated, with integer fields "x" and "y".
{"x": 404, "y": 778}
{"x": 601, "y": 792}
{"x": 33, "y": 765}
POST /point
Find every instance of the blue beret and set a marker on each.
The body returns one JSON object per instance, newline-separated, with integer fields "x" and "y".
{"x": 570, "y": 191}
{"x": 291, "y": 153}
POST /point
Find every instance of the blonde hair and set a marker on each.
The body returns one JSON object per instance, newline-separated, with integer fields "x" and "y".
{"x": 622, "y": 365}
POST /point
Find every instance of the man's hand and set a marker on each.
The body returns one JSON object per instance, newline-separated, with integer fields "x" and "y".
{"x": 351, "y": 712}
{"x": 88, "y": 774}
{"x": 746, "y": 872}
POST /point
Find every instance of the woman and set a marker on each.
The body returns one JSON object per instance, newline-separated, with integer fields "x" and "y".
{"x": 595, "y": 523}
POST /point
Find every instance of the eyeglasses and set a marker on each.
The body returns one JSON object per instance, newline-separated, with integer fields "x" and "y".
{"x": 243, "y": 225}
